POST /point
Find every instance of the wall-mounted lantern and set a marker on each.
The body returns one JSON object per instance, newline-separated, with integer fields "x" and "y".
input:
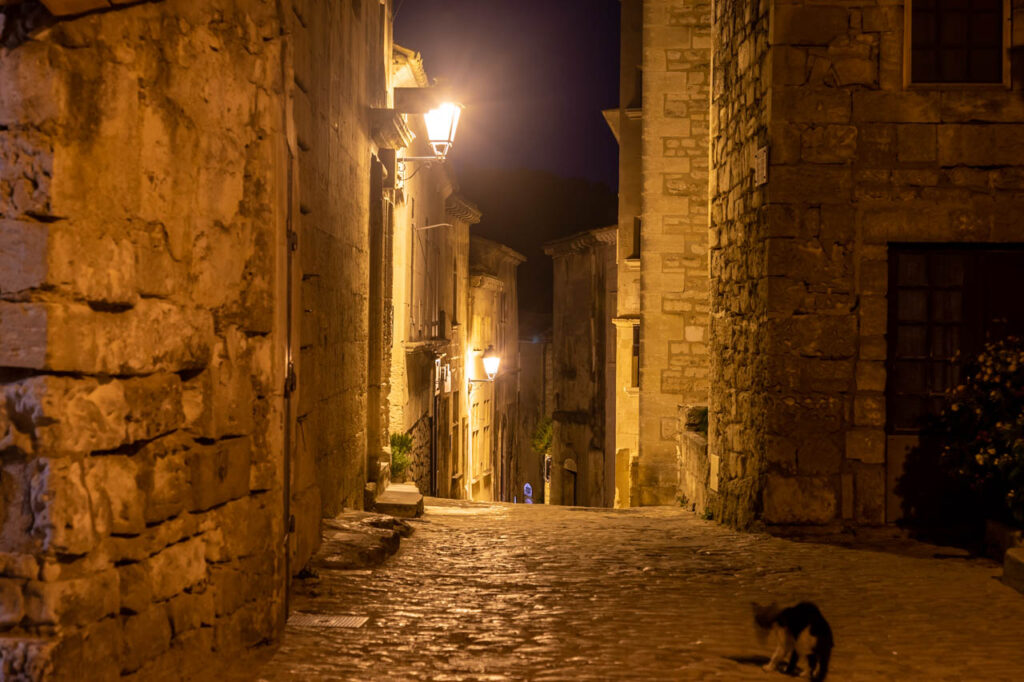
{"x": 442, "y": 123}
{"x": 491, "y": 363}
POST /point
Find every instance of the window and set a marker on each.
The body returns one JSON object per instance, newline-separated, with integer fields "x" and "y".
{"x": 957, "y": 41}
{"x": 945, "y": 303}
{"x": 637, "y": 223}
{"x": 634, "y": 380}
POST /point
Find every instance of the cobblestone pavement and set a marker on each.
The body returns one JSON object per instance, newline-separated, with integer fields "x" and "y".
{"x": 501, "y": 592}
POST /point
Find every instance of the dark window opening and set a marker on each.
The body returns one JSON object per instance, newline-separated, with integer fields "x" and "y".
{"x": 956, "y": 41}
{"x": 634, "y": 380}
{"x": 637, "y": 223}
{"x": 945, "y": 304}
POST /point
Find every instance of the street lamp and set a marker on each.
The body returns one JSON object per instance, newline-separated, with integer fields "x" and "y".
{"x": 442, "y": 123}
{"x": 491, "y": 363}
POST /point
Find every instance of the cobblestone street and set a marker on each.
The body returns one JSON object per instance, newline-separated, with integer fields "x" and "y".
{"x": 553, "y": 593}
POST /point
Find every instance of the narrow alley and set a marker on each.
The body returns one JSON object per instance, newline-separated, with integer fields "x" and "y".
{"x": 514, "y": 592}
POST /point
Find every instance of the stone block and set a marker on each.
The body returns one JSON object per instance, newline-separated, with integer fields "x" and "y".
{"x": 869, "y": 507}
{"x": 874, "y": 311}
{"x": 64, "y": 415}
{"x": 810, "y": 184}
{"x": 16, "y": 565}
{"x": 177, "y": 568}
{"x": 847, "y": 495}
{"x": 917, "y": 143}
{"x": 818, "y": 454}
{"x": 871, "y": 376}
{"x": 73, "y": 602}
{"x": 154, "y": 539}
{"x": 904, "y": 106}
{"x": 136, "y": 591}
{"x": 812, "y": 25}
{"x": 34, "y": 91}
{"x": 95, "y": 648}
{"x": 219, "y": 473}
{"x": 61, "y": 504}
{"x": 1013, "y": 568}
{"x": 153, "y": 336}
{"x": 854, "y": 60}
{"x": 166, "y": 482}
{"x": 799, "y": 500}
{"x": 866, "y": 445}
{"x": 811, "y": 105}
{"x": 146, "y": 636}
{"x": 869, "y": 410}
{"x": 75, "y": 260}
{"x": 237, "y": 529}
{"x": 781, "y": 453}
{"x": 219, "y": 402}
{"x": 980, "y": 145}
{"x": 190, "y": 611}
{"x": 117, "y": 498}
{"x": 12, "y": 603}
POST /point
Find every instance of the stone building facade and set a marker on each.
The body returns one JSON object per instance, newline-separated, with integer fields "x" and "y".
{"x": 662, "y": 319}
{"x": 582, "y": 470}
{"x": 535, "y": 405}
{"x": 194, "y": 318}
{"x": 492, "y": 405}
{"x": 865, "y": 184}
{"x": 431, "y": 304}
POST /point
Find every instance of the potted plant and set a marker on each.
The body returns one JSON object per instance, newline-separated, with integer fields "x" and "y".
{"x": 970, "y": 463}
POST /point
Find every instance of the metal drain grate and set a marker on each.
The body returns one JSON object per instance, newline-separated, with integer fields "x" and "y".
{"x": 317, "y": 620}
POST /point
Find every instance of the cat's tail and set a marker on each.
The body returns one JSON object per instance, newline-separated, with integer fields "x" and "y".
{"x": 822, "y": 672}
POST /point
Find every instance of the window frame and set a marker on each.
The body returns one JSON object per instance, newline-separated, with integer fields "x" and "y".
{"x": 909, "y": 84}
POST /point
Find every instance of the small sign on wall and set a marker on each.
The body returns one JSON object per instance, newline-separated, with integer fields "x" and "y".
{"x": 761, "y": 166}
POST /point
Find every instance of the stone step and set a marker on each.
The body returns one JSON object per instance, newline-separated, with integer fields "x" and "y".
{"x": 400, "y": 499}
{"x": 1013, "y": 568}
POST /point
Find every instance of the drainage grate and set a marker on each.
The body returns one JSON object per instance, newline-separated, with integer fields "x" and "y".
{"x": 318, "y": 620}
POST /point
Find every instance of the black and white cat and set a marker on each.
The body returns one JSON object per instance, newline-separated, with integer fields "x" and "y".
{"x": 800, "y": 632}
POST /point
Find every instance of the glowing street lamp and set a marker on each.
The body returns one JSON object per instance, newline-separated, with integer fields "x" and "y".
{"x": 491, "y": 363}
{"x": 442, "y": 123}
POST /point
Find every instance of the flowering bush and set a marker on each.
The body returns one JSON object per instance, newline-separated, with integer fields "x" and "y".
{"x": 979, "y": 435}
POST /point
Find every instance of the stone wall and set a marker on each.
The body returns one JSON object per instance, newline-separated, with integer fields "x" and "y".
{"x": 583, "y": 338}
{"x": 147, "y": 159}
{"x": 739, "y": 126}
{"x": 858, "y": 161}
{"x": 674, "y": 239}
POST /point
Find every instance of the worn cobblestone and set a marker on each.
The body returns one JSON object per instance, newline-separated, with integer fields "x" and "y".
{"x": 503, "y": 592}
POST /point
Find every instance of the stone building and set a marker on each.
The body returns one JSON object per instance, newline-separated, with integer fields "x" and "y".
{"x": 535, "y": 405}
{"x": 582, "y": 470}
{"x": 431, "y": 306}
{"x": 662, "y": 320}
{"x": 196, "y": 207}
{"x": 865, "y": 191}
{"x": 489, "y": 430}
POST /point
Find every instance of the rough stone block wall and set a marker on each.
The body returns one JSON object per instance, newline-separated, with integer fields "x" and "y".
{"x": 674, "y": 305}
{"x": 335, "y": 79}
{"x": 858, "y": 161}
{"x": 737, "y": 428}
{"x": 140, "y": 391}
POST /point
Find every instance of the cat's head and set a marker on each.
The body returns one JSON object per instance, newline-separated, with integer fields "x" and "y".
{"x": 765, "y": 616}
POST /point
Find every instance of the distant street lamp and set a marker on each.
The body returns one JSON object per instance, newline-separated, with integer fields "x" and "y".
{"x": 491, "y": 363}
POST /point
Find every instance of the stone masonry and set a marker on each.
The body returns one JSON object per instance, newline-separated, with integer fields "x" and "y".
{"x": 859, "y": 160}
{"x": 673, "y": 238}
{"x": 153, "y": 160}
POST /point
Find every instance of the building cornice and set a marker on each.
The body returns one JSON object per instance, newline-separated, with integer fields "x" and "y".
{"x": 457, "y": 206}
{"x": 581, "y": 241}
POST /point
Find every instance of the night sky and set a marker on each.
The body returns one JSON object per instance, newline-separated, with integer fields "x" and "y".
{"x": 534, "y": 76}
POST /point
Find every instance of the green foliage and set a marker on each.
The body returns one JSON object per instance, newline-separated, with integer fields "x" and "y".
{"x": 708, "y": 515}
{"x": 542, "y": 435}
{"x": 684, "y": 501}
{"x": 401, "y": 446}
{"x": 971, "y": 458}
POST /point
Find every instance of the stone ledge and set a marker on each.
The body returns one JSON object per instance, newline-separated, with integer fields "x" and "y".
{"x": 1013, "y": 568}
{"x": 403, "y": 500}
{"x": 355, "y": 539}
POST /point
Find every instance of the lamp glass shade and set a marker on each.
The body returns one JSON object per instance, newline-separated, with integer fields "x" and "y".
{"x": 491, "y": 363}
{"x": 442, "y": 123}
